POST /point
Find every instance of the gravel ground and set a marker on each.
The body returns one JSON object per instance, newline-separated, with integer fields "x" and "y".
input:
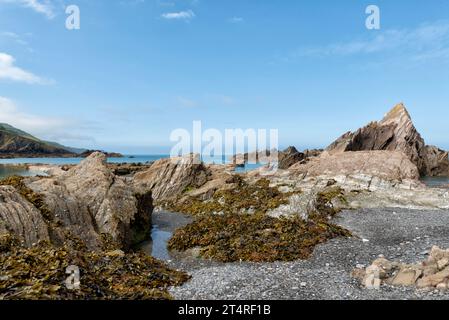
{"x": 398, "y": 234}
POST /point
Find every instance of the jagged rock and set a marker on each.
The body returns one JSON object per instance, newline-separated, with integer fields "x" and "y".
{"x": 86, "y": 201}
{"x": 395, "y": 132}
{"x": 437, "y": 163}
{"x": 284, "y": 159}
{"x": 289, "y": 157}
{"x": 21, "y": 218}
{"x": 89, "y": 199}
{"x": 170, "y": 178}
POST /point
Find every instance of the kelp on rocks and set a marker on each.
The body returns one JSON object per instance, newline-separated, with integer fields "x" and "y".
{"x": 255, "y": 237}
{"x": 244, "y": 197}
{"x": 40, "y": 273}
{"x": 234, "y": 225}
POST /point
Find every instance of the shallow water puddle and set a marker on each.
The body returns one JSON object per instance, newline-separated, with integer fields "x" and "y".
{"x": 164, "y": 224}
{"x": 436, "y": 182}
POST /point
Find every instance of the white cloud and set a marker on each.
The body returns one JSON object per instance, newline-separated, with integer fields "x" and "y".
{"x": 44, "y": 7}
{"x": 50, "y": 128}
{"x": 427, "y": 41}
{"x": 236, "y": 20}
{"x": 9, "y": 71}
{"x": 182, "y": 15}
{"x": 10, "y": 113}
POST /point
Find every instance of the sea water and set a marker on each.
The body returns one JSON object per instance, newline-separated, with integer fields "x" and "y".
{"x": 66, "y": 161}
{"x": 9, "y": 167}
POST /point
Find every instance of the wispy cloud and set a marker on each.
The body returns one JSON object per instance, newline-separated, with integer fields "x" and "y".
{"x": 44, "y": 7}
{"x": 425, "y": 42}
{"x": 181, "y": 15}
{"x": 18, "y": 39}
{"x": 51, "y": 128}
{"x": 187, "y": 103}
{"x": 9, "y": 71}
{"x": 236, "y": 20}
{"x": 13, "y": 36}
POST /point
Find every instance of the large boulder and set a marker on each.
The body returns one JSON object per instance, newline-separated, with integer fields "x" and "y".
{"x": 395, "y": 132}
{"x": 85, "y": 202}
{"x": 169, "y": 178}
{"x": 385, "y": 165}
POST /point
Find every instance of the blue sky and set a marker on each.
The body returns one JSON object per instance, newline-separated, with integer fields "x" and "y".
{"x": 138, "y": 69}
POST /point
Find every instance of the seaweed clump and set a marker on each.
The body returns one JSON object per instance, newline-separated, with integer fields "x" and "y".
{"x": 40, "y": 273}
{"x": 326, "y": 200}
{"x": 256, "y": 237}
{"x": 36, "y": 199}
{"x": 244, "y": 197}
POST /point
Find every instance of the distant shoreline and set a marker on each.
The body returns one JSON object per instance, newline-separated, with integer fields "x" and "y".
{"x": 62, "y": 155}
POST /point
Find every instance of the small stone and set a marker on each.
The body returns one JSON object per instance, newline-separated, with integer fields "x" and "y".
{"x": 303, "y": 284}
{"x": 442, "y": 263}
{"x": 442, "y": 286}
{"x": 406, "y": 277}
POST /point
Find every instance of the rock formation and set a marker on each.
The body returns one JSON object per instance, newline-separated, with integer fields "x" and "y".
{"x": 395, "y": 132}
{"x": 20, "y": 217}
{"x": 285, "y": 159}
{"x": 289, "y": 157}
{"x": 385, "y": 165}
{"x": 292, "y": 156}
{"x": 429, "y": 274}
{"x": 86, "y": 201}
{"x": 169, "y": 178}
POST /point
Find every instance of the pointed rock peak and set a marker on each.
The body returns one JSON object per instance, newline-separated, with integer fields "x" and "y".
{"x": 398, "y": 114}
{"x": 290, "y": 150}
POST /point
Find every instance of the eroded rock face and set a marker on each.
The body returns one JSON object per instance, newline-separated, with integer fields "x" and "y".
{"x": 169, "y": 178}
{"x": 21, "y": 218}
{"x": 395, "y": 132}
{"x": 86, "y": 201}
